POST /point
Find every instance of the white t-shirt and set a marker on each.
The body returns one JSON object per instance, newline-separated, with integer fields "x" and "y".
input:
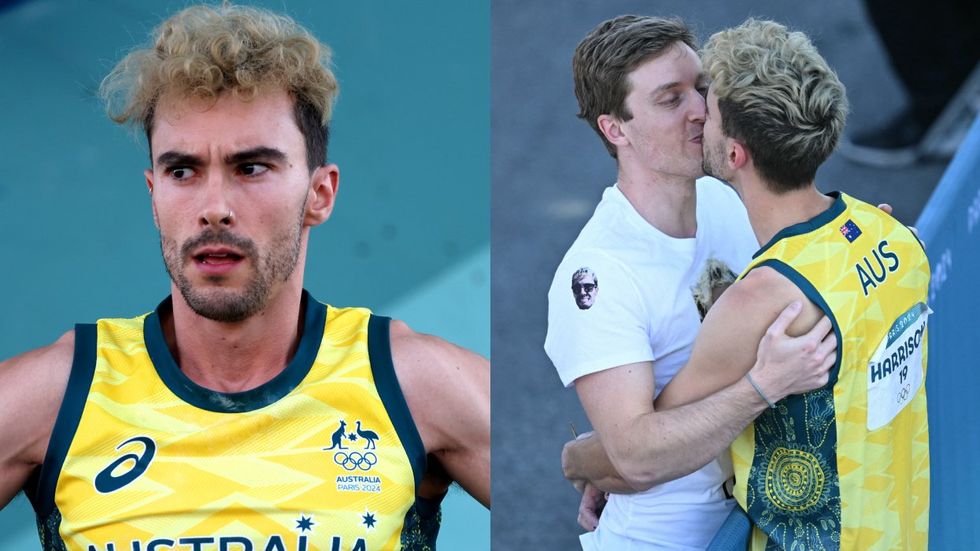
{"x": 624, "y": 294}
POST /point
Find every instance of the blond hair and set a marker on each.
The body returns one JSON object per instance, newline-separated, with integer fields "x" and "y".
{"x": 205, "y": 51}
{"x": 779, "y": 97}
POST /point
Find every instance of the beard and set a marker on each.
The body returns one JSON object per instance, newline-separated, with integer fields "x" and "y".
{"x": 713, "y": 162}
{"x": 229, "y": 305}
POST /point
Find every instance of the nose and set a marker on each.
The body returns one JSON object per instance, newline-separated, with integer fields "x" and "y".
{"x": 216, "y": 208}
{"x": 218, "y": 218}
{"x": 698, "y": 108}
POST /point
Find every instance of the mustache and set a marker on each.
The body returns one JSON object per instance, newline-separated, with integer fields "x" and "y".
{"x": 222, "y": 237}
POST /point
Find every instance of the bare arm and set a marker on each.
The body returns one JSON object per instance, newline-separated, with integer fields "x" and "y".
{"x": 32, "y": 386}
{"x": 725, "y": 349}
{"x": 655, "y": 446}
{"x": 592, "y": 465}
{"x": 448, "y": 392}
{"x": 658, "y": 446}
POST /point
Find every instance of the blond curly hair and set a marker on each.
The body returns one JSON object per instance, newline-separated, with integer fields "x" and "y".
{"x": 777, "y": 95}
{"x": 205, "y": 51}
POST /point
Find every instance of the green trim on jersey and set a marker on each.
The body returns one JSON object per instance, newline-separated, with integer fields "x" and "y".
{"x": 236, "y": 402}
{"x": 386, "y": 381}
{"x": 811, "y": 293}
{"x": 810, "y": 225}
{"x": 69, "y": 414}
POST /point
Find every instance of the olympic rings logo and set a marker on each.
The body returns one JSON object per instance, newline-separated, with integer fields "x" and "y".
{"x": 355, "y": 460}
{"x": 904, "y": 393}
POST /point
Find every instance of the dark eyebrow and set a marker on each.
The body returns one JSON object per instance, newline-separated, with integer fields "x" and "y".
{"x": 256, "y": 154}
{"x": 663, "y": 88}
{"x": 174, "y": 158}
{"x": 179, "y": 158}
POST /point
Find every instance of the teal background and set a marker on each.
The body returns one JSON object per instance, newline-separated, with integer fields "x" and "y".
{"x": 409, "y": 236}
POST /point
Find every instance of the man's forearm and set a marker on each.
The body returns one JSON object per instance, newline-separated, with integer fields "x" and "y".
{"x": 585, "y": 459}
{"x": 664, "y": 445}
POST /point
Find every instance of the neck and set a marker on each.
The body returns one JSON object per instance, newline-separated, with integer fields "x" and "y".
{"x": 770, "y": 212}
{"x": 234, "y": 357}
{"x": 666, "y": 202}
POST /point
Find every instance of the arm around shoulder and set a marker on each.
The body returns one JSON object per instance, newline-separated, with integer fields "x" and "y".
{"x": 650, "y": 446}
{"x": 32, "y": 386}
{"x": 447, "y": 389}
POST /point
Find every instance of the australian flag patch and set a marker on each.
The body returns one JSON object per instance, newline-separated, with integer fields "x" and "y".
{"x": 850, "y": 231}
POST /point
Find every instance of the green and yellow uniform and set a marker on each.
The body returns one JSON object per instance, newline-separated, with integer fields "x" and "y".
{"x": 847, "y": 466}
{"x": 325, "y": 456}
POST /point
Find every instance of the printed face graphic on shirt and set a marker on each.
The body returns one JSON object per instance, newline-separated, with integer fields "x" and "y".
{"x": 715, "y": 278}
{"x": 585, "y": 288}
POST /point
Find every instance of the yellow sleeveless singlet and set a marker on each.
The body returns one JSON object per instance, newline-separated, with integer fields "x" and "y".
{"x": 323, "y": 457}
{"x": 847, "y": 466}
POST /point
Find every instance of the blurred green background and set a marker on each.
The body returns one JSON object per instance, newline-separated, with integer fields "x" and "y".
{"x": 409, "y": 236}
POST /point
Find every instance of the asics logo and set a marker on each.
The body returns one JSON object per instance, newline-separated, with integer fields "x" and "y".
{"x": 107, "y": 481}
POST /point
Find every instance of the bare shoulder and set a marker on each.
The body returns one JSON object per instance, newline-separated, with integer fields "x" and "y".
{"x": 55, "y": 356}
{"x": 443, "y": 383}
{"x": 727, "y": 344}
{"x": 766, "y": 292}
{"x": 32, "y": 386}
{"x": 418, "y": 357}
{"x": 764, "y": 283}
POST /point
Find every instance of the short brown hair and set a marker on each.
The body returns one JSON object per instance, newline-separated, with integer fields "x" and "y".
{"x": 606, "y": 56}
{"x": 204, "y": 51}
{"x": 779, "y": 97}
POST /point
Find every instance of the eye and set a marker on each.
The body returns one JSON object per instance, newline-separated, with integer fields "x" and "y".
{"x": 181, "y": 173}
{"x": 253, "y": 169}
{"x": 671, "y": 101}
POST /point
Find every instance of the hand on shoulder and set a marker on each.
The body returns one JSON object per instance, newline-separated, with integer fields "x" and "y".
{"x": 799, "y": 347}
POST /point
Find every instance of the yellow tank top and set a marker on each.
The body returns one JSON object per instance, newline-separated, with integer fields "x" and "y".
{"x": 847, "y": 466}
{"x": 323, "y": 457}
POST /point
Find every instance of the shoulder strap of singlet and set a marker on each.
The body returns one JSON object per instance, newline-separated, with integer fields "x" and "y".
{"x": 811, "y": 292}
{"x": 40, "y": 489}
{"x": 379, "y": 350}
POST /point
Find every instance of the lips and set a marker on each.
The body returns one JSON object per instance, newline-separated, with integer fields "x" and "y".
{"x": 217, "y": 256}
{"x": 217, "y": 262}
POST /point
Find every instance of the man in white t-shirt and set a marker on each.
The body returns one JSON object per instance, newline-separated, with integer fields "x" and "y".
{"x": 651, "y": 241}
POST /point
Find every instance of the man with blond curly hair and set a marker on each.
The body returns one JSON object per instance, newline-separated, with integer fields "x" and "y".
{"x": 241, "y": 412}
{"x": 845, "y": 466}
